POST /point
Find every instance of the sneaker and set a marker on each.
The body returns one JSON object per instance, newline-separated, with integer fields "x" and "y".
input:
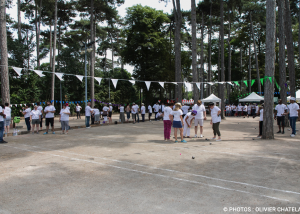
{"x": 176, "y": 141}
{"x": 219, "y": 140}
{"x": 183, "y": 141}
{"x": 88, "y": 127}
{"x": 37, "y": 132}
{"x": 282, "y": 132}
{"x": 278, "y": 132}
{"x": 195, "y": 136}
{"x": 292, "y": 135}
{"x": 46, "y": 133}
{"x": 3, "y": 141}
{"x": 213, "y": 138}
{"x": 53, "y": 132}
{"x": 201, "y": 136}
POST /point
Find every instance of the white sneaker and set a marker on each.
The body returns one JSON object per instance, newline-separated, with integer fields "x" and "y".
{"x": 88, "y": 127}
{"x": 201, "y": 136}
{"x": 292, "y": 135}
{"x": 195, "y": 135}
{"x": 219, "y": 140}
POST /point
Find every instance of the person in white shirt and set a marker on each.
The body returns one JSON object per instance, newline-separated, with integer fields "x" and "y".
{"x": 167, "y": 122}
{"x": 110, "y": 113}
{"x": 134, "y": 111}
{"x": 200, "y": 117}
{"x": 156, "y": 109}
{"x": 105, "y": 112}
{"x": 188, "y": 119}
{"x": 128, "y": 110}
{"x": 215, "y": 120}
{"x": 40, "y": 108}
{"x": 240, "y": 110}
{"x": 162, "y": 107}
{"x": 249, "y": 110}
{"x": 78, "y": 109}
{"x": 260, "y": 113}
{"x": 35, "y": 117}
{"x": 122, "y": 116}
{"x": 26, "y": 112}
{"x": 245, "y": 110}
{"x": 294, "y": 114}
{"x": 137, "y": 112}
{"x": 96, "y": 115}
{"x": 88, "y": 114}
{"x": 143, "y": 112}
{"x": 150, "y": 112}
{"x": 49, "y": 111}
{"x": 159, "y": 115}
{"x": 253, "y": 108}
{"x": 7, "y": 112}
{"x": 280, "y": 111}
{"x": 2, "y": 115}
{"x": 64, "y": 119}
{"x": 185, "y": 109}
{"x": 177, "y": 121}
{"x": 233, "y": 110}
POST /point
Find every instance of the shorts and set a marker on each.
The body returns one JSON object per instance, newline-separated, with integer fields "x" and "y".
{"x": 177, "y": 124}
{"x": 280, "y": 121}
{"x": 35, "y": 121}
{"x": 64, "y": 125}
{"x": 7, "y": 121}
{"x": 50, "y": 120}
{"x": 97, "y": 117}
{"x": 133, "y": 116}
{"x": 198, "y": 122}
{"x": 109, "y": 114}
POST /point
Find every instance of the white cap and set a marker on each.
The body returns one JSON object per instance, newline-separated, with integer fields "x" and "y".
{"x": 293, "y": 98}
{"x": 109, "y": 103}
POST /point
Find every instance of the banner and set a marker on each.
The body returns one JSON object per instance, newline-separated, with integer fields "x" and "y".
{"x": 80, "y": 77}
{"x": 18, "y": 70}
{"x": 59, "y": 76}
{"x": 148, "y": 84}
{"x": 162, "y": 84}
{"x": 132, "y": 81}
{"x": 98, "y": 79}
{"x": 114, "y": 81}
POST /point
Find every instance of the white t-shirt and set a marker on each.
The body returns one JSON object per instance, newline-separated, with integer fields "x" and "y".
{"x": 256, "y": 109}
{"x": 280, "y": 108}
{"x": 35, "y": 114}
{"x": 143, "y": 110}
{"x": 150, "y": 109}
{"x": 245, "y": 108}
{"x": 261, "y": 112}
{"x": 28, "y": 110}
{"x": 134, "y": 109}
{"x": 158, "y": 115}
{"x": 162, "y": 108}
{"x": 78, "y": 108}
{"x": 88, "y": 111}
{"x": 1, "y": 117}
{"x": 189, "y": 119}
{"x": 121, "y": 108}
{"x": 293, "y": 107}
{"x": 7, "y": 112}
{"x": 156, "y": 108}
{"x": 137, "y": 108}
{"x": 167, "y": 113}
{"x": 110, "y": 108}
{"x": 185, "y": 109}
{"x": 214, "y": 115}
{"x": 105, "y": 108}
{"x": 40, "y": 108}
{"x": 240, "y": 108}
{"x": 49, "y": 114}
{"x": 233, "y": 108}
{"x": 64, "y": 117}
{"x": 177, "y": 115}
{"x": 96, "y": 111}
{"x": 200, "y": 109}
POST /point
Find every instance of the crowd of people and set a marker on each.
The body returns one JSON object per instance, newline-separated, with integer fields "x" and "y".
{"x": 180, "y": 117}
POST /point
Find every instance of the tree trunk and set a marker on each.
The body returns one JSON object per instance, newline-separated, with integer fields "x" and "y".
{"x": 50, "y": 45}
{"x": 54, "y": 52}
{"x": 209, "y": 51}
{"x": 178, "y": 22}
{"x": 37, "y": 30}
{"x": 92, "y": 66}
{"x": 202, "y": 55}
{"x": 249, "y": 73}
{"x": 19, "y": 21}
{"x": 269, "y": 71}
{"x": 290, "y": 48}
{"x": 241, "y": 64}
{"x": 194, "y": 52}
{"x": 219, "y": 65}
{"x": 255, "y": 52}
{"x": 3, "y": 55}
{"x": 222, "y": 97}
{"x": 229, "y": 57}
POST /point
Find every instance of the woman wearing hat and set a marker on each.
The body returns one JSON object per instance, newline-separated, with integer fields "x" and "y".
{"x": 215, "y": 120}
{"x": 177, "y": 121}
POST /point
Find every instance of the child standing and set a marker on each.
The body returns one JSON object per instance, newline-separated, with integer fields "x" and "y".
{"x": 177, "y": 121}
{"x": 188, "y": 119}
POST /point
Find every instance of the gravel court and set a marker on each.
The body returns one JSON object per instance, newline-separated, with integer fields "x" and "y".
{"x": 132, "y": 160}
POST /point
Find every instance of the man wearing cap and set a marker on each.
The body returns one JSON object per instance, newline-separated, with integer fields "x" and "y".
{"x": 215, "y": 120}
{"x": 110, "y": 113}
{"x": 294, "y": 113}
{"x": 200, "y": 116}
{"x": 143, "y": 112}
{"x": 280, "y": 110}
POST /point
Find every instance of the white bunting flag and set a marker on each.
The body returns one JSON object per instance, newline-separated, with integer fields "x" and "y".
{"x": 198, "y": 85}
{"x": 210, "y": 83}
{"x": 188, "y": 86}
{"x": 80, "y": 77}
{"x": 162, "y": 84}
{"x": 230, "y": 83}
{"x": 18, "y": 70}
{"x": 16, "y": 105}
{"x": 174, "y": 83}
{"x": 221, "y": 83}
{"x": 148, "y": 84}
{"x": 59, "y": 76}
{"x": 114, "y": 81}
{"x": 98, "y": 79}
{"x": 33, "y": 104}
{"x": 10, "y": 105}
{"x": 24, "y": 104}
{"x": 132, "y": 81}
{"x": 40, "y": 73}
{"x": 21, "y": 105}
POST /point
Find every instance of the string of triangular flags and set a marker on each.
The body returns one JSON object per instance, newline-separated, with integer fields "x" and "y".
{"x": 148, "y": 83}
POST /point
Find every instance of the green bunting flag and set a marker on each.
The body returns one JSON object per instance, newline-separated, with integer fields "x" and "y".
{"x": 262, "y": 81}
{"x": 252, "y": 82}
{"x": 270, "y": 78}
{"x": 237, "y": 83}
{"x": 246, "y": 82}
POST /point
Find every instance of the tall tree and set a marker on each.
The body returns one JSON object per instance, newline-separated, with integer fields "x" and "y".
{"x": 209, "y": 48}
{"x": 54, "y": 52}
{"x": 19, "y": 20}
{"x": 250, "y": 64}
{"x": 290, "y": 48}
{"x": 194, "y": 51}
{"x": 229, "y": 54}
{"x": 92, "y": 58}
{"x": 3, "y": 54}
{"x": 202, "y": 54}
{"x": 268, "y": 131}
{"x": 222, "y": 97}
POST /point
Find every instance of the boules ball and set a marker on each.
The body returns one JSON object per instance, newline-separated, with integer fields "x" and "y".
{"x": 193, "y": 157}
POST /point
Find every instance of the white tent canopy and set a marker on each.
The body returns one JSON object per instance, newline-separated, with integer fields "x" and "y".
{"x": 253, "y": 97}
{"x": 297, "y": 96}
{"x": 212, "y": 98}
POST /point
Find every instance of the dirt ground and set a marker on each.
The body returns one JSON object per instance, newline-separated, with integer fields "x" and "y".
{"x": 128, "y": 168}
